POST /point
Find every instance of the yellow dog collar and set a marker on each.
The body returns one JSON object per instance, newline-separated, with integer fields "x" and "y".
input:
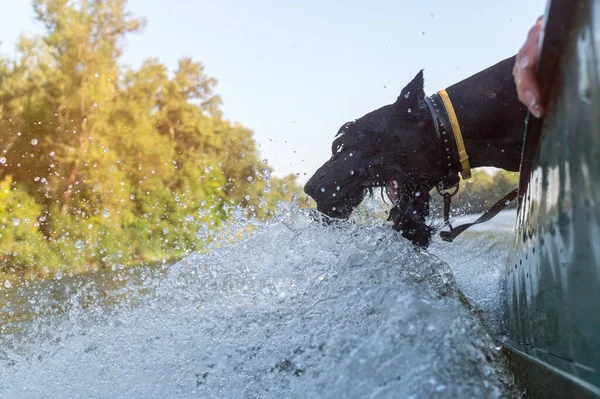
{"x": 458, "y": 139}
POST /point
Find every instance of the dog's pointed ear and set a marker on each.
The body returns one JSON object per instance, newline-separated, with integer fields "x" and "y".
{"x": 412, "y": 98}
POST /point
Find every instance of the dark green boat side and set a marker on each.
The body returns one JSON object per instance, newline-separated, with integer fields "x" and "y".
{"x": 553, "y": 271}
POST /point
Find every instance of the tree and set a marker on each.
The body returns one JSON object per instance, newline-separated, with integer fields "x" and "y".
{"x": 115, "y": 165}
{"x": 479, "y": 193}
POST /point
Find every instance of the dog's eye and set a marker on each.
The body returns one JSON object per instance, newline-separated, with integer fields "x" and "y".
{"x": 337, "y": 146}
{"x": 336, "y": 150}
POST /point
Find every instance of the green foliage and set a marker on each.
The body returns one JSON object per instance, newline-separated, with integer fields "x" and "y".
{"x": 105, "y": 165}
{"x": 23, "y": 248}
{"x": 479, "y": 193}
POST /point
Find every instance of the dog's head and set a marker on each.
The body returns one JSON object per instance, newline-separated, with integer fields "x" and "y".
{"x": 393, "y": 147}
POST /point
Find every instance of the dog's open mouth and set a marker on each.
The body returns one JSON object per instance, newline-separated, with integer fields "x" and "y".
{"x": 391, "y": 190}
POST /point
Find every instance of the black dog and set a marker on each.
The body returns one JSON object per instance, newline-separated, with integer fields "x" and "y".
{"x": 406, "y": 147}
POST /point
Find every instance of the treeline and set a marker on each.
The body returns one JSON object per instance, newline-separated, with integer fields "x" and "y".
{"x": 479, "y": 193}
{"x": 476, "y": 195}
{"x": 102, "y": 164}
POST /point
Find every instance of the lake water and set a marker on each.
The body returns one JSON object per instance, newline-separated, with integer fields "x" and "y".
{"x": 295, "y": 310}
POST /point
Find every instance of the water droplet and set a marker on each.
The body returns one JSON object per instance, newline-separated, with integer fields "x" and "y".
{"x": 7, "y": 284}
{"x": 165, "y": 231}
{"x": 95, "y": 104}
{"x": 58, "y": 275}
{"x": 132, "y": 197}
{"x": 96, "y": 75}
{"x": 52, "y": 154}
{"x": 338, "y": 188}
{"x": 407, "y": 94}
{"x": 34, "y": 141}
{"x": 351, "y": 172}
{"x": 43, "y": 218}
{"x": 106, "y": 213}
{"x": 2, "y": 160}
{"x": 506, "y": 202}
{"x": 322, "y": 189}
{"x": 106, "y": 150}
{"x": 189, "y": 218}
{"x": 16, "y": 221}
{"x": 409, "y": 110}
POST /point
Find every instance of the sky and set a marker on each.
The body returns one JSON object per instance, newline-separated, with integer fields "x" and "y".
{"x": 294, "y": 71}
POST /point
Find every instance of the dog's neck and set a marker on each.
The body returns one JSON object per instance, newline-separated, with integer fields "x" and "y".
{"x": 492, "y": 119}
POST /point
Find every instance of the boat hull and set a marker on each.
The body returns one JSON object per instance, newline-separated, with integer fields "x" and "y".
{"x": 553, "y": 271}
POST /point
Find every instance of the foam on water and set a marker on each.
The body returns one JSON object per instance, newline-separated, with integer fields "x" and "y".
{"x": 478, "y": 261}
{"x": 296, "y": 310}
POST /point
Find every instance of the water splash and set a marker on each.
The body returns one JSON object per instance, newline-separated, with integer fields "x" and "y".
{"x": 294, "y": 310}
{"x": 478, "y": 260}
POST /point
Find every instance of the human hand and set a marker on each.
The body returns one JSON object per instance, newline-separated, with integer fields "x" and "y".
{"x": 524, "y": 70}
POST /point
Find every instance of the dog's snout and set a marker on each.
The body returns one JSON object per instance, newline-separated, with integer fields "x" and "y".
{"x": 310, "y": 187}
